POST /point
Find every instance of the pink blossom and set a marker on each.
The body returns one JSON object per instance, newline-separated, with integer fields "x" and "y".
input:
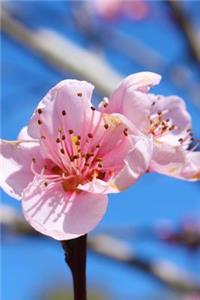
{"x": 164, "y": 120}
{"x": 68, "y": 158}
{"x": 111, "y": 9}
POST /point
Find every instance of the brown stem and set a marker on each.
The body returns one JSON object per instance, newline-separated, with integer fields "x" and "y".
{"x": 75, "y": 256}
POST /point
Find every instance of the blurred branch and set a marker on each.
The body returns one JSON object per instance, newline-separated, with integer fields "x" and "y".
{"x": 163, "y": 271}
{"x": 98, "y": 34}
{"x": 186, "y": 28}
{"x": 62, "y": 53}
{"x": 66, "y": 56}
{"x": 116, "y": 250}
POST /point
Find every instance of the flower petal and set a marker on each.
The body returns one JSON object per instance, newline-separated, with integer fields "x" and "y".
{"x": 115, "y": 136}
{"x": 176, "y": 162}
{"x": 62, "y": 215}
{"x": 191, "y": 167}
{"x": 98, "y": 186}
{"x": 136, "y": 163}
{"x": 23, "y": 134}
{"x": 16, "y": 158}
{"x": 65, "y": 108}
{"x": 69, "y": 98}
{"x": 141, "y": 81}
{"x": 164, "y": 154}
{"x": 131, "y": 99}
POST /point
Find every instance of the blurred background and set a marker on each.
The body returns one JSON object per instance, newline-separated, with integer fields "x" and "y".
{"x": 155, "y": 224}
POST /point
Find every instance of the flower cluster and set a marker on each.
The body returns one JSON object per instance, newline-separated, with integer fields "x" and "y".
{"x": 113, "y": 9}
{"x": 71, "y": 154}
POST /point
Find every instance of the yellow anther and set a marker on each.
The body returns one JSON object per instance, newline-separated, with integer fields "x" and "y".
{"x": 76, "y": 143}
{"x": 112, "y": 121}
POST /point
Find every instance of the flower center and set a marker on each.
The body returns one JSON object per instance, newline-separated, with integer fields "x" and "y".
{"x": 79, "y": 156}
{"x": 159, "y": 125}
{"x": 71, "y": 184}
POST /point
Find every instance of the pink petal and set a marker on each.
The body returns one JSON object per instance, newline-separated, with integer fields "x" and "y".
{"x": 62, "y": 215}
{"x": 164, "y": 154}
{"x": 23, "y": 134}
{"x": 98, "y": 186}
{"x": 141, "y": 81}
{"x": 131, "y": 99}
{"x": 191, "y": 167}
{"x": 116, "y": 156}
{"x": 115, "y": 138}
{"x": 66, "y": 107}
{"x": 16, "y": 158}
{"x": 71, "y": 96}
{"x": 136, "y": 163}
{"x": 107, "y": 8}
{"x": 176, "y": 162}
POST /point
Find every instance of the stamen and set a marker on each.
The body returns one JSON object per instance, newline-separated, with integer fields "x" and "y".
{"x": 76, "y": 156}
{"x": 79, "y": 94}
{"x": 39, "y": 122}
{"x": 106, "y": 126}
{"x": 92, "y": 131}
{"x": 62, "y": 151}
{"x": 67, "y": 150}
{"x": 180, "y": 140}
{"x": 101, "y": 174}
{"x": 172, "y": 127}
{"x": 64, "y": 113}
{"x": 39, "y": 111}
{"x": 125, "y": 131}
{"x": 90, "y": 135}
{"x": 71, "y": 158}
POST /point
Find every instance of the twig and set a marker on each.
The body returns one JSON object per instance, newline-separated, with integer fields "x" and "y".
{"x": 75, "y": 257}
